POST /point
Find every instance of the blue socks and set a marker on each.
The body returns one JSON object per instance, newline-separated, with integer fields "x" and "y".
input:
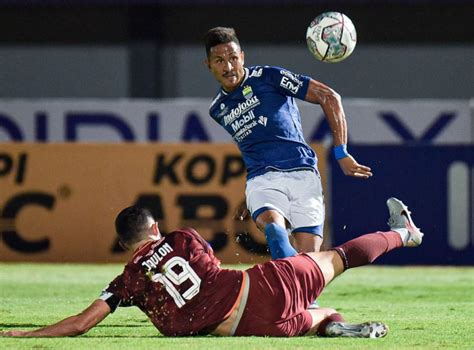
{"x": 278, "y": 242}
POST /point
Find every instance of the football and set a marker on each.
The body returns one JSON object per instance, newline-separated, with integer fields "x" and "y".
{"x": 331, "y": 37}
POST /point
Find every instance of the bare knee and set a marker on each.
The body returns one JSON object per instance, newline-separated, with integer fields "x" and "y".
{"x": 307, "y": 242}
{"x": 269, "y": 217}
{"x": 318, "y": 316}
{"x": 330, "y": 311}
{"x": 330, "y": 264}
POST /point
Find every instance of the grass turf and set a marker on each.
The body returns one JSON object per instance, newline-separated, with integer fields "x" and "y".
{"x": 425, "y": 308}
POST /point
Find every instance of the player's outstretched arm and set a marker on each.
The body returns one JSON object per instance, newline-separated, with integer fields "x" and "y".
{"x": 331, "y": 104}
{"x": 71, "y": 326}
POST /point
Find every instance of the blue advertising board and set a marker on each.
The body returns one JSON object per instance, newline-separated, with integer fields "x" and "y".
{"x": 436, "y": 182}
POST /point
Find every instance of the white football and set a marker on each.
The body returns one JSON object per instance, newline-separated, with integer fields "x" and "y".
{"x": 331, "y": 37}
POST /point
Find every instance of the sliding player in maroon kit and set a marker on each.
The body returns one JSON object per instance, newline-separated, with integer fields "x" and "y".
{"x": 178, "y": 283}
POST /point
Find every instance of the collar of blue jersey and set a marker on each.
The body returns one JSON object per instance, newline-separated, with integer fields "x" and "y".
{"x": 243, "y": 81}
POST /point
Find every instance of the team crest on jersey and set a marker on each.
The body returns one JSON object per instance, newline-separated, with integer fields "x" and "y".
{"x": 247, "y": 92}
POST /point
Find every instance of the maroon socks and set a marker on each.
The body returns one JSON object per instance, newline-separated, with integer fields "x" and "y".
{"x": 331, "y": 318}
{"x": 365, "y": 249}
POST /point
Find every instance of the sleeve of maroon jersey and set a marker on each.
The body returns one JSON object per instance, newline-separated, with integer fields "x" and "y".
{"x": 116, "y": 293}
{"x": 206, "y": 246}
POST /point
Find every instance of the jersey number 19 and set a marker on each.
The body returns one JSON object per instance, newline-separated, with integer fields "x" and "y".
{"x": 170, "y": 279}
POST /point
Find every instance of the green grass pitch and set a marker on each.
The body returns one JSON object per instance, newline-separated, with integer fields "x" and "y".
{"x": 425, "y": 308}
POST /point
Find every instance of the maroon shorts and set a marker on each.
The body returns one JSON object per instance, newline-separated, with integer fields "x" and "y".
{"x": 280, "y": 292}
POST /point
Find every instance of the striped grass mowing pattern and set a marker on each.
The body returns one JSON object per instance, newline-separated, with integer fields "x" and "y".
{"x": 425, "y": 308}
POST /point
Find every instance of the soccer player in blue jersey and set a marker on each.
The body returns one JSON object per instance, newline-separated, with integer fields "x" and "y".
{"x": 256, "y": 105}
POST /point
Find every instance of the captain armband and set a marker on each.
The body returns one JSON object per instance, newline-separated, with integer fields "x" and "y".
{"x": 340, "y": 151}
{"x": 111, "y": 300}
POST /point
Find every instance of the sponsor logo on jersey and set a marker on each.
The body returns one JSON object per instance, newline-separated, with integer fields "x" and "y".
{"x": 222, "y": 106}
{"x": 247, "y": 92}
{"x": 245, "y": 131}
{"x": 256, "y": 73}
{"x": 236, "y": 125}
{"x": 262, "y": 120}
{"x": 290, "y": 81}
{"x": 242, "y": 108}
{"x": 290, "y": 85}
{"x": 294, "y": 77}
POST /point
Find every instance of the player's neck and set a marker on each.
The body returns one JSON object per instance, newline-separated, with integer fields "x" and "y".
{"x": 136, "y": 246}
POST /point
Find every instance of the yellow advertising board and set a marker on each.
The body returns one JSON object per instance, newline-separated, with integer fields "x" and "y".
{"x": 58, "y": 202}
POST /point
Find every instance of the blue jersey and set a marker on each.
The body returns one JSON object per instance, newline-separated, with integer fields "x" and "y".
{"x": 262, "y": 117}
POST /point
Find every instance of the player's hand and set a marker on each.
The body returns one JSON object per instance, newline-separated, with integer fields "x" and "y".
{"x": 350, "y": 167}
{"x": 241, "y": 213}
{"x": 14, "y": 333}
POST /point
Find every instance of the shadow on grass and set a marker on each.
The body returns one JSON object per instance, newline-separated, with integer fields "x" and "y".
{"x": 162, "y": 337}
{"x": 5, "y": 326}
{"x": 105, "y": 336}
{"x": 19, "y": 325}
{"x": 33, "y": 325}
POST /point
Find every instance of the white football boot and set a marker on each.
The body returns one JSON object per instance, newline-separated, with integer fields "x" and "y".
{"x": 361, "y": 330}
{"x": 401, "y": 222}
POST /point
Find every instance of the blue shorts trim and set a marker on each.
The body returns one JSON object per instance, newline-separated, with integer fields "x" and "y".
{"x": 261, "y": 210}
{"x": 315, "y": 230}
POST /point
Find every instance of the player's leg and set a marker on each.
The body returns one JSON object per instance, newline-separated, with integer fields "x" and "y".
{"x": 321, "y": 317}
{"x": 269, "y": 216}
{"x": 268, "y": 204}
{"x": 359, "y": 251}
{"x": 299, "y": 281}
{"x": 307, "y": 242}
{"x": 330, "y": 323}
{"x": 365, "y": 249}
{"x": 272, "y": 224}
{"x": 307, "y": 210}
{"x": 330, "y": 264}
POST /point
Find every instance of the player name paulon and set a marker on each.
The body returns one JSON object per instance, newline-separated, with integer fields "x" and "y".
{"x": 157, "y": 257}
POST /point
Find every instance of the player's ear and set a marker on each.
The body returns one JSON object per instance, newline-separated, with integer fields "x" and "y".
{"x": 243, "y": 56}
{"x": 156, "y": 230}
{"x": 206, "y": 62}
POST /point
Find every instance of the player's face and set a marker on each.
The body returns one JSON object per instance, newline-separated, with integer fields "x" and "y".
{"x": 226, "y": 63}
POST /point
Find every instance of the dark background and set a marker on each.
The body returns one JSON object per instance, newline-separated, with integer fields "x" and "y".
{"x": 178, "y": 22}
{"x": 146, "y": 28}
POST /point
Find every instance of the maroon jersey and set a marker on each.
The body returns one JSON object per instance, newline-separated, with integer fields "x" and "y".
{"x": 178, "y": 284}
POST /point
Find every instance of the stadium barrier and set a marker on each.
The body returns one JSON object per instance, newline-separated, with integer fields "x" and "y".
{"x": 420, "y": 150}
{"x": 59, "y": 201}
{"x": 393, "y": 122}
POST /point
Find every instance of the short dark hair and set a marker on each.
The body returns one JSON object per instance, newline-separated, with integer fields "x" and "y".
{"x": 219, "y": 35}
{"x": 132, "y": 224}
